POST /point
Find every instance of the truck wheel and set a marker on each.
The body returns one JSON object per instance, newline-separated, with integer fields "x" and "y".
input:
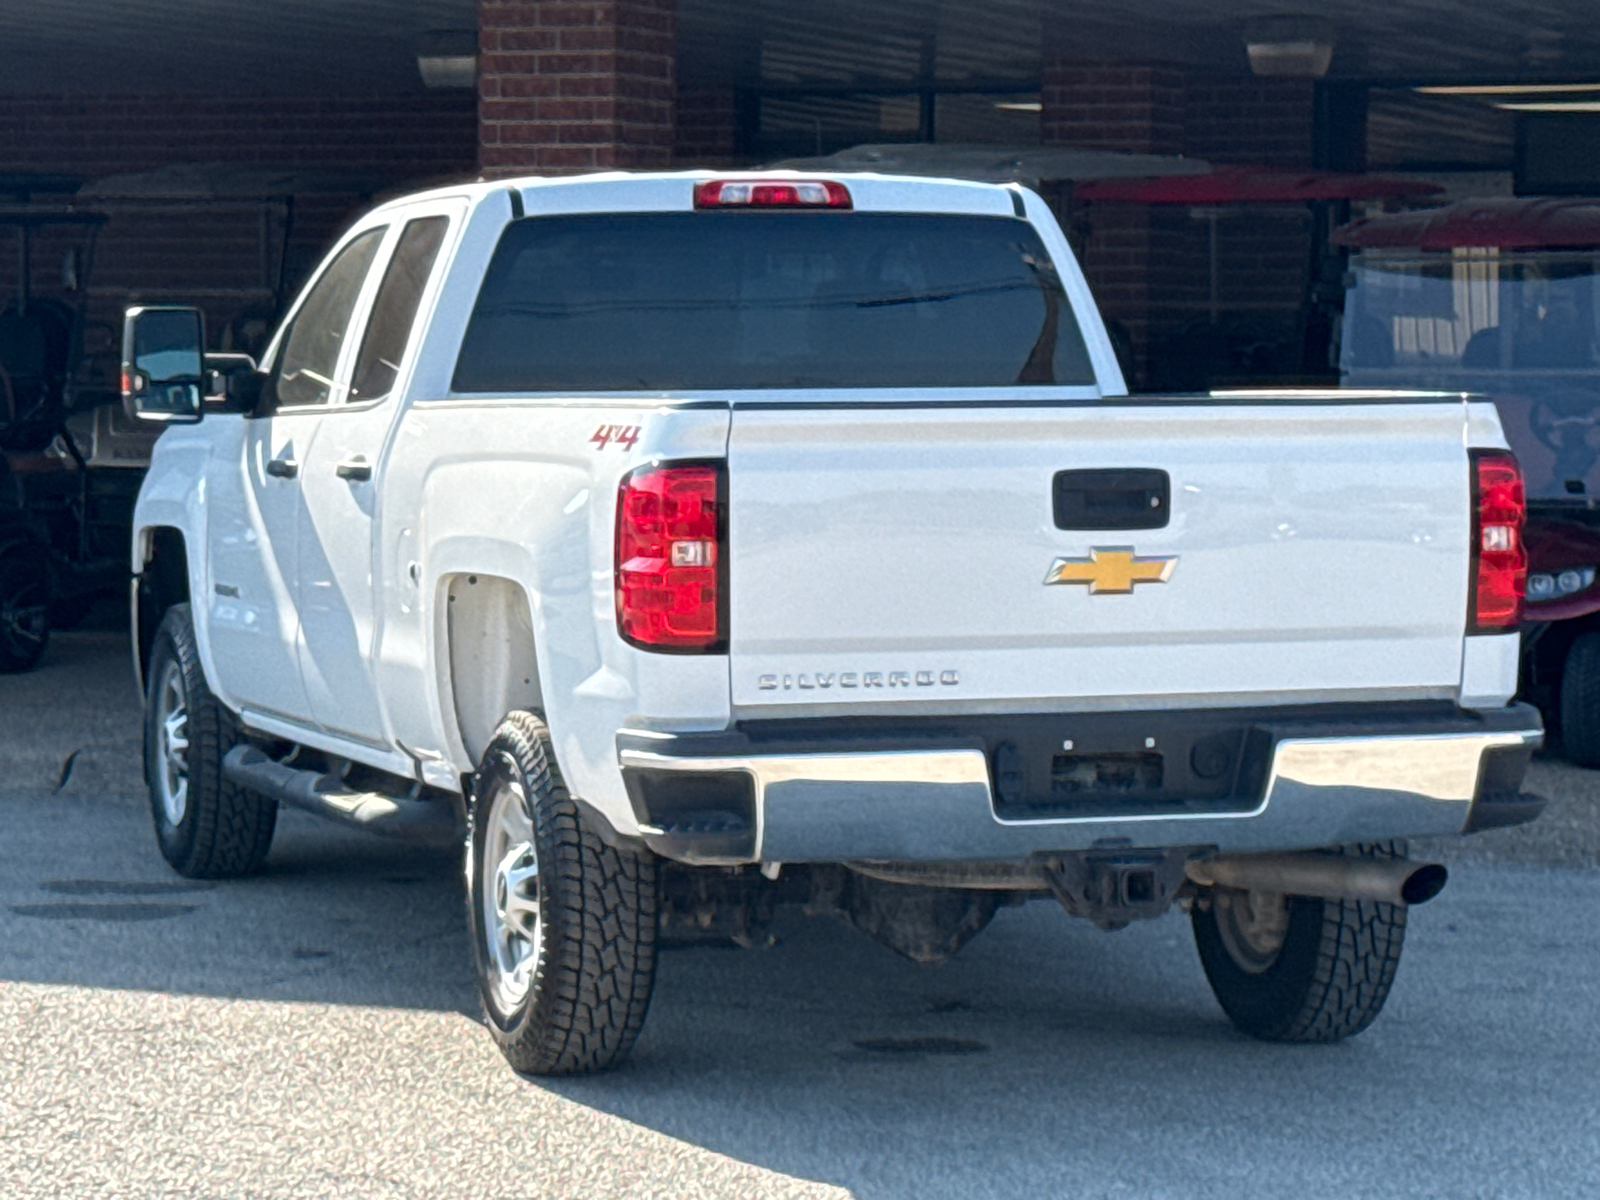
{"x": 1298, "y": 969}
{"x": 207, "y": 827}
{"x": 1580, "y": 702}
{"x": 563, "y": 926}
{"x": 24, "y": 605}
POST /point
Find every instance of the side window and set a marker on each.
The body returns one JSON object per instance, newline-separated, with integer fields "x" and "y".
{"x": 303, "y": 374}
{"x": 395, "y": 310}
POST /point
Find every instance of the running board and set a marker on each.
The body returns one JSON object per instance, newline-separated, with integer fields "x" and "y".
{"x": 409, "y": 818}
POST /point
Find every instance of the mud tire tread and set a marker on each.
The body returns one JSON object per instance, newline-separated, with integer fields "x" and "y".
{"x": 1580, "y": 702}
{"x": 599, "y": 911}
{"x": 24, "y": 562}
{"x": 227, "y": 830}
{"x": 1332, "y": 977}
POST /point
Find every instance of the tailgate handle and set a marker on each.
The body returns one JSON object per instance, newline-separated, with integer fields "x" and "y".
{"x": 1119, "y": 498}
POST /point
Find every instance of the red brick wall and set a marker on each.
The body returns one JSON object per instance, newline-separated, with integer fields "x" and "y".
{"x": 1241, "y": 119}
{"x": 706, "y": 133}
{"x": 223, "y": 256}
{"x": 1113, "y": 107}
{"x": 570, "y": 87}
{"x": 1150, "y": 265}
{"x": 404, "y": 138}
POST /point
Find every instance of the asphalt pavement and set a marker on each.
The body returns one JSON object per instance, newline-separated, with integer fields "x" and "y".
{"x": 313, "y": 1031}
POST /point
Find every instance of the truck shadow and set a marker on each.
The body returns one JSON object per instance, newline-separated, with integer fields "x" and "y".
{"x": 1046, "y": 1059}
{"x": 1024, "y": 1066}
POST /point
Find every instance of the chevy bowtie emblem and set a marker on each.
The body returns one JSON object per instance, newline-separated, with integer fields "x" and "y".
{"x": 1112, "y": 570}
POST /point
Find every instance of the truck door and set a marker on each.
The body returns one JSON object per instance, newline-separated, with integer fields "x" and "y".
{"x": 340, "y": 615}
{"x": 255, "y": 503}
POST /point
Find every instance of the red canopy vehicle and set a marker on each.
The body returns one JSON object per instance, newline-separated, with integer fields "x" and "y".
{"x": 1502, "y": 297}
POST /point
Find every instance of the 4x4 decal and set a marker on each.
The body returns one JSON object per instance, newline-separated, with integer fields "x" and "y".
{"x": 623, "y": 435}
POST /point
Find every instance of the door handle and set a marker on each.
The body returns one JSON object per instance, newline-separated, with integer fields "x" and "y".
{"x": 282, "y": 468}
{"x": 357, "y": 469}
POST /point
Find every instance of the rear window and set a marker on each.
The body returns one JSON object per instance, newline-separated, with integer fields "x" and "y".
{"x": 708, "y": 300}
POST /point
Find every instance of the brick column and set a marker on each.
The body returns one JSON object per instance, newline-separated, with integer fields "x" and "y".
{"x": 1112, "y": 106}
{"x": 1138, "y": 109}
{"x": 566, "y": 87}
{"x": 1149, "y": 265}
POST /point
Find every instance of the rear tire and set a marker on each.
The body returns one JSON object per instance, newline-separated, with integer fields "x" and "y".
{"x": 1580, "y": 702}
{"x": 207, "y": 827}
{"x": 24, "y": 604}
{"x": 563, "y": 926}
{"x": 1296, "y": 968}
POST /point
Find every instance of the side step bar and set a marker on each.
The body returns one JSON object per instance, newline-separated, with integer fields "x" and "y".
{"x": 414, "y": 820}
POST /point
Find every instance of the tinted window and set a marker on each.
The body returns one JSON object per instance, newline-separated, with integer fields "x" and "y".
{"x": 707, "y": 300}
{"x": 395, "y": 308}
{"x": 304, "y": 374}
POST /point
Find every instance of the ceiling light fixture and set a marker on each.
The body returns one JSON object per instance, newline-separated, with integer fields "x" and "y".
{"x": 1020, "y": 106}
{"x": 1553, "y": 106}
{"x": 1293, "y": 47}
{"x": 448, "y": 58}
{"x": 1506, "y": 89}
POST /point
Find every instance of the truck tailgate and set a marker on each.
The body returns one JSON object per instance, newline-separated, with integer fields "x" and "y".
{"x": 890, "y": 556}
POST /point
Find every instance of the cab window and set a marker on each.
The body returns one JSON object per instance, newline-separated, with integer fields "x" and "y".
{"x": 394, "y": 311}
{"x": 303, "y": 375}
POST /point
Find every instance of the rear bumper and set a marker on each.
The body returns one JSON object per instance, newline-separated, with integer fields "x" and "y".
{"x": 925, "y": 790}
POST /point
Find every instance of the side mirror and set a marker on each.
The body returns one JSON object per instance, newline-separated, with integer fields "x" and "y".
{"x": 233, "y": 383}
{"x": 163, "y": 364}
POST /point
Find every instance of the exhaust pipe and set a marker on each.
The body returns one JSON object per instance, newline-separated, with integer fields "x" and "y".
{"x": 1325, "y": 876}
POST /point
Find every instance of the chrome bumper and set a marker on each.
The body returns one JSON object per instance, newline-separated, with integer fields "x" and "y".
{"x": 937, "y": 804}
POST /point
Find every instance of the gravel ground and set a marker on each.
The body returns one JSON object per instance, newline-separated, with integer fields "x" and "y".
{"x": 313, "y": 1031}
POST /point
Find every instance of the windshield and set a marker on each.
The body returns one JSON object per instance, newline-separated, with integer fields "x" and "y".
{"x": 714, "y": 300}
{"x": 1521, "y": 328}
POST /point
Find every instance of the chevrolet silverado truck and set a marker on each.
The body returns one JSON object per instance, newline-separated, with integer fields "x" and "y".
{"x": 691, "y": 544}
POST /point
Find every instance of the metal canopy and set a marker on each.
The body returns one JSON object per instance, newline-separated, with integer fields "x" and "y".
{"x": 231, "y": 181}
{"x": 356, "y": 46}
{"x": 1001, "y": 164}
{"x": 1255, "y": 185}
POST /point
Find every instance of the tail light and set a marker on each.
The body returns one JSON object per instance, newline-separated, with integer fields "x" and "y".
{"x": 1499, "y": 561}
{"x": 771, "y": 193}
{"x": 671, "y": 560}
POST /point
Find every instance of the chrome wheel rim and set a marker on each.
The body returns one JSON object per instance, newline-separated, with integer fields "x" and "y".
{"x": 172, "y": 745}
{"x": 512, "y": 929}
{"x": 1252, "y": 926}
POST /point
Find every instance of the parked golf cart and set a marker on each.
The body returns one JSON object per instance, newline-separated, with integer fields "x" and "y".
{"x": 58, "y": 550}
{"x": 1212, "y": 321}
{"x": 1502, "y": 297}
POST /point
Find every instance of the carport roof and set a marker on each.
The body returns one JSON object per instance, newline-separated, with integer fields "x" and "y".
{"x": 317, "y": 46}
{"x": 1534, "y": 223}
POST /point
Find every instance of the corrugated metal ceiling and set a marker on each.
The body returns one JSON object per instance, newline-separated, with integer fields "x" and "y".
{"x": 369, "y": 45}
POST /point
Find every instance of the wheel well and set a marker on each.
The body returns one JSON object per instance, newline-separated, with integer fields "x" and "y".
{"x": 163, "y": 581}
{"x": 493, "y": 668}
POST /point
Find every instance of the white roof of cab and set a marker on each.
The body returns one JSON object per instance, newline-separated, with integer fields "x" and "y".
{"x": 668, "y": 191}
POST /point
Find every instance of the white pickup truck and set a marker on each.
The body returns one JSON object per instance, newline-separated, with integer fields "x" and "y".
{"x": 697, "y": 543}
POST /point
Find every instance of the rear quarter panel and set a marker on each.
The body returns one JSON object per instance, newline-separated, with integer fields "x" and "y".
{"x": 525, "y": 490}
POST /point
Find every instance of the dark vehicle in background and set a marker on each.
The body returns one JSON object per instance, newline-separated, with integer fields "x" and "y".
{"x": 1243, "y": 314}
{"x": 71, "y": 459}
{"x": 1502, "y": 297}
{"x": 64, "y": 520}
